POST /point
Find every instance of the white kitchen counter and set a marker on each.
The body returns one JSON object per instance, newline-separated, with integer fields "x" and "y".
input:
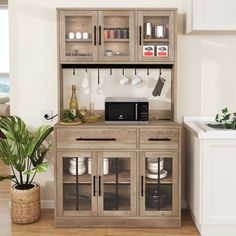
{"x": 210, "y": 177}
{"x": 198, "y": 127}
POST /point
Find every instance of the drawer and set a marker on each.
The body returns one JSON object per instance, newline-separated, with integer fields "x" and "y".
{"x": 96, "y": 138}
{"x": 159, "y": 138}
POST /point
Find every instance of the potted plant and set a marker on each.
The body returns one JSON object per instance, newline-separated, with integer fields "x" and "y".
{"x": 24, "y": 152}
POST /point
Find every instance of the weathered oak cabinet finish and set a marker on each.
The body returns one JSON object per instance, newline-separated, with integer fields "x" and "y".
{"x": 114, "y": 190}
{"x": 115, "y": 35}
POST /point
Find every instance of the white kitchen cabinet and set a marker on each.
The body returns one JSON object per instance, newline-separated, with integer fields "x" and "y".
{"x": 210, "y": 15}
{"x": 210, "y": 178}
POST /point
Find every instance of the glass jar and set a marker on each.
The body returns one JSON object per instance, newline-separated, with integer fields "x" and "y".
{"x": 112, "y": 33}
{"x": 106, "y": 33}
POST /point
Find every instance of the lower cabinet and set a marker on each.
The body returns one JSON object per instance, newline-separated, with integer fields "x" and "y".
{"x": 117, "y": 188}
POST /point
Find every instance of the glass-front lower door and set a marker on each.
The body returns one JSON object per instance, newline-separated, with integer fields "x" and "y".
{"x": 159, "y": 184}
{"x": 117, "y": 184}
{"x": 76, "y": 183}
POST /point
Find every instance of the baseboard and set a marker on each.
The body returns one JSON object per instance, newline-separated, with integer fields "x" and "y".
{"x": 49, "y": 204}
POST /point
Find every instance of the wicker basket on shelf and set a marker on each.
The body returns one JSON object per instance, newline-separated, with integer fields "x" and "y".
{"x": 25, "y": 205}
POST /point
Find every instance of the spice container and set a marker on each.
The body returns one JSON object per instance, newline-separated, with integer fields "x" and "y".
{"x": 106, "y": 33}
{"x": 112, "y": 33}
{"x": 119, "y": 33}
{"x": 125, "y": 33}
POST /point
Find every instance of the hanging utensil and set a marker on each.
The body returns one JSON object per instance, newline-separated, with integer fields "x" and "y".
{"x": 85, "y": 84}
{"x": 159, "y": 86}
{"x": 99, "y": 89}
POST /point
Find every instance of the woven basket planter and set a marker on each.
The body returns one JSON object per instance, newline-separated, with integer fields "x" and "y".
{"x": 25, "y": 205}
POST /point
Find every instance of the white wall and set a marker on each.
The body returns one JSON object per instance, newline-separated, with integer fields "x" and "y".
{"x": 205, "y": 64}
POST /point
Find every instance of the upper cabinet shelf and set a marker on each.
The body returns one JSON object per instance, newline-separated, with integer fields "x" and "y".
{"x": 210, "y": 15}
{"x": 125, "y": 36}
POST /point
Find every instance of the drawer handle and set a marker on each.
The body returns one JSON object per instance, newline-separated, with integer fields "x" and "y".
{"x": 96, "y": 139}
{"x": 159, "y": 139}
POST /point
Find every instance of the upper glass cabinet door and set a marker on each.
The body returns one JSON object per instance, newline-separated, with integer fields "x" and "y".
{"x": 158, "y": 184}
{"x": 78, "y": 36}
{"x": 117, "y": 184}
{"x": 156, "y": 35}
{"x": 116, "y": 36}
{"x": 77, "y": 186}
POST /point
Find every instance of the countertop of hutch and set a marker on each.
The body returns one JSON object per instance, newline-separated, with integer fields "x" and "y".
{"x": 101, "y": 124}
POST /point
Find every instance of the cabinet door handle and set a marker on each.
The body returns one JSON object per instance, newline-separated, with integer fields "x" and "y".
{"x": 96, "y": 139}
{"x": 100, "y": 35}
{"x": 140, "y": 35}
{"x": 99, "y": 185}
{"x": 142, "y": 186}
{"x": 159, "y": 139}
{"x": 94, "y": 186}
{"x": 95, "y": 35}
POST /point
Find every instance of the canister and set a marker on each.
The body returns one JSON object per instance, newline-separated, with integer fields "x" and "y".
{"x": 159, "y": 31}
{"x": 147, "y": 30}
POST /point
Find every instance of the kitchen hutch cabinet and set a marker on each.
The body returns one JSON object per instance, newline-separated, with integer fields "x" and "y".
{"x": 117, "y": 35}
{"x": 104, "y": 175}
{"x": 118, "y": 175}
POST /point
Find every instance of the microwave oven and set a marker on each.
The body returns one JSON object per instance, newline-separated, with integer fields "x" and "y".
{"x": 126, "y": 110}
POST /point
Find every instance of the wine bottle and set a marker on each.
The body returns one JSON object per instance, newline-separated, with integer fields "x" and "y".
{"x": 73, "y": 101}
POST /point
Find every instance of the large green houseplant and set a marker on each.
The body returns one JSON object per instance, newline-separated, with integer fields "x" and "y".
{"x": 24, "y": 151}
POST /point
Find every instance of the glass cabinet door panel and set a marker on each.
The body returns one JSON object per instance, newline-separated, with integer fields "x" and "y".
{"x": 117, "y": 184}
{"x": 156, "y": 35}
{"x": 78, "y": 183}
{"x": 78, "y": 36}
{"x": 116, "y": 35}
{"x": 158, "y": 183}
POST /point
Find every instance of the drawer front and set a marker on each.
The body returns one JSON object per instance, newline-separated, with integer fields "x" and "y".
{"x": 160, "y": 138}
{"x": 96, "y": 138}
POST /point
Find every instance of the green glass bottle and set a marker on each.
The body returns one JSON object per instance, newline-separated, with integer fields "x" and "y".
{"x": 74, "y": 102}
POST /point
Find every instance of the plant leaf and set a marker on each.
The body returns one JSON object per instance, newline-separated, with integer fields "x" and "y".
{"x": 41, "y": 168}
{"x": 7, "y": 177}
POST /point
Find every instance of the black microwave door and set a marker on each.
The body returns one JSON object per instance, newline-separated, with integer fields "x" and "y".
{"x": 120, "y": 111}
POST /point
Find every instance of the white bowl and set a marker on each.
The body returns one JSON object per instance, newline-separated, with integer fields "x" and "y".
{"x": 163, "y": 174}
{"x": 80, "y": 171}
{"x": 155, "y": 169}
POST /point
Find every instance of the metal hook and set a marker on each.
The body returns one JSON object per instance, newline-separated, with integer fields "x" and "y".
{"x": 110, "y": 71}
{"x": 135, "y": 71}
{"x": 147, "y": 71}
{"x": 86, "y": 70}
{"x": 73, "y": 71}
{"x": 160, "y": 72}
{"x": 123, "y": 71}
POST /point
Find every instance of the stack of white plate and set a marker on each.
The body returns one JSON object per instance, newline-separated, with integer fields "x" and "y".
{"x": 81, "y": 166}
{"x": 152, "y": 167}
{"x": 105, "y": 166}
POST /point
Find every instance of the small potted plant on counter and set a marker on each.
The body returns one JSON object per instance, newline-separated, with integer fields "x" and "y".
{"x": 225, "y": 120}
{"x": 24, "y": 152}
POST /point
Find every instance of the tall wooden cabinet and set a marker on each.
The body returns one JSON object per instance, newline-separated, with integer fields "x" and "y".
{"x": 117, "y": 175}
